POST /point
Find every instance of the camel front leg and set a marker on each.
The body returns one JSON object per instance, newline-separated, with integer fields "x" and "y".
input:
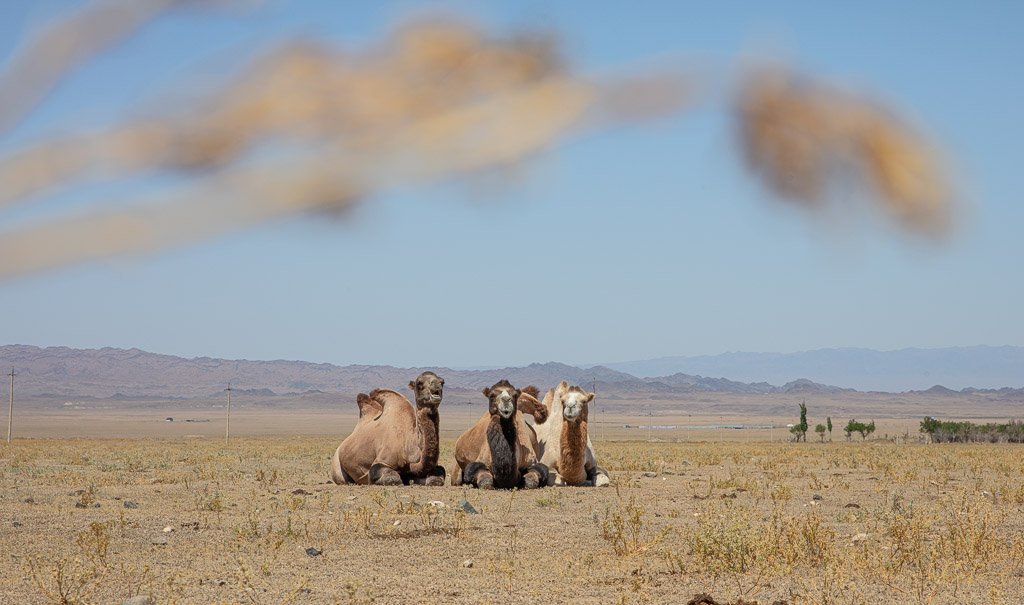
{"x": 477, "y": 474}
{"x": 535, "y": 476}
{"x": 598, "y": 477}
{"x": 383, "y": 475}
{"x": 434, "y": 478}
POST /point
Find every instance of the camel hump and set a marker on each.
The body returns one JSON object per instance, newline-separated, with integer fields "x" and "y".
{"x": 369, "y": 406}
{"x": 532, "y": 391}
{"x": 390, "y": 402}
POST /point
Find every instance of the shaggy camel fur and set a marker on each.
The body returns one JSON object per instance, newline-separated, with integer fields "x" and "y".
{"x": 499, "y": 450}
{"x": 393, "y": 443}
{"x": 565, "y": 446}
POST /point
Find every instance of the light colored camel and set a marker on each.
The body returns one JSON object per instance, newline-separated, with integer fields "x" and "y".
{"x": 565, "y": 446}
{"x": 393, "y": 443}
{"x": 499, "y": 451}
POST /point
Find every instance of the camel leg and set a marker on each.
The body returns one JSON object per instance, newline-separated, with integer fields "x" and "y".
{"x": 433, "y": 479}
{"x": 338, "y": 474}
{"x": 457, "y": 476}
{"x": 600, "y": 477}
{"x": 477, "y": 474}
{"x": 535, "y": 476}
{"x": 436, "y": 476}
{"x": 382, "y": 475}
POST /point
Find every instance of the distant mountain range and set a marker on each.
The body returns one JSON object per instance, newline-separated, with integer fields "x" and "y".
{"x": 62, "y": 372}
{"x": 980, "y": 367}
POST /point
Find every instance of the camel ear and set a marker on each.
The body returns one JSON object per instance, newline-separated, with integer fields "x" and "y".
{"x": 487, "y": 392}
{"x": 563, "y": 385}
{"x": 412, "y": 385}
{"x": 588, "y": 398}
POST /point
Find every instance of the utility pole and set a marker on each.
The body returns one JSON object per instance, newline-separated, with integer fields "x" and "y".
{"x": 650, "y": 424}
{"x": 227, "y": 421}
{"x": 10, "y": 411}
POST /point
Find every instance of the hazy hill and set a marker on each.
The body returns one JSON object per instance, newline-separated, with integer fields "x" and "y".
{"x": 123, "y": 373}
{"x": 863, "y": 369}
{"x": 61, "y": 372}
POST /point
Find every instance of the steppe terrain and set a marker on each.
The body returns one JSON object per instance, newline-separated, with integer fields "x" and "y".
{"x": 104, "y": 496}
{"x": 198, "y": 520}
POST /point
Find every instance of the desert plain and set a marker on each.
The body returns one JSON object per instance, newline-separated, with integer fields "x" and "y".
{"x": 100, "y": 504}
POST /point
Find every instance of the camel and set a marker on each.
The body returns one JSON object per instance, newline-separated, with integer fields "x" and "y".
{"x": 392, "y": 443}
{"x": 499, "y": 451}
{"x": 565, "y": 446}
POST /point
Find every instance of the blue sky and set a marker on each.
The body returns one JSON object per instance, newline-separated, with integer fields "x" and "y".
{"x": 631, "y": 243}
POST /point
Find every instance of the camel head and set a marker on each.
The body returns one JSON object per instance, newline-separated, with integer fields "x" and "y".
{"x": 428, "y": 389}
{"x": 502, "y": 398}
{"x": 575, "y": 403}
{"x": 530, "y": 403}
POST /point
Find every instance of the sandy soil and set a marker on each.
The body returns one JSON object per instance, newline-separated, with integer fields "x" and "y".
{"x": 258, "y": 421}
{"x": 806, "y": 523}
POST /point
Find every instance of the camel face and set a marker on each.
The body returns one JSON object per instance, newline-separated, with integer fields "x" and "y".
{"x": 574, "y": 404}
{"x": 502, "y": 398}
{"x": 428, "y": 389}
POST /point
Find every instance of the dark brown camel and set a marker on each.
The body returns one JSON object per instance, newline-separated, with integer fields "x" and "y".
{"x": 499, "y": 450}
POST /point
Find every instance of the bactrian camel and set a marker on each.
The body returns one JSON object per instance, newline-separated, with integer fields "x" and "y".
{"x": 393, "y": 443}
{"x": 499, "y": 451}
{"x": 565, "y": 446}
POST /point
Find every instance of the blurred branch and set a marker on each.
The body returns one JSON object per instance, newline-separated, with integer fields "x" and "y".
{"x": 805, "y": 139}
{"x": 308, "y": 128}
{"x": 53, "y": 51}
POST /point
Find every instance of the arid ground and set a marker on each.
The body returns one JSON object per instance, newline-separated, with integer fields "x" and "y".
{"x": 198, "y": 520}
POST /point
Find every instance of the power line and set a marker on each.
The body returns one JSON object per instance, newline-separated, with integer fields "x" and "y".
{"x": 227, "y": 420}
{"x": 10, "y": 411}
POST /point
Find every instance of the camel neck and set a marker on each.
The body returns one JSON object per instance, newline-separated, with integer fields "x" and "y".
{"x": 572, "y": 459}
{"x": 427, "y": 428}
{"x": 502, "y": 438}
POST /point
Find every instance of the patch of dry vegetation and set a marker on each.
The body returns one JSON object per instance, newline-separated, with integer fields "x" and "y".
{"x": 255, "y": 521}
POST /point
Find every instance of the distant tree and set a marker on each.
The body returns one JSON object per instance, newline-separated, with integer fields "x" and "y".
{"x": 828, "y": 421}
{"x": 930, "y": 425}
{"x": 944, "y": 431}
{"x": 803, "y": 426}
{"x": 820, "y": 430}
{"x": 864, "y": 429}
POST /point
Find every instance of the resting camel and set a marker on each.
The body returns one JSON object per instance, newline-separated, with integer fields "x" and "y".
{"x": 499, "y": 451}
{"x": 565, "y": 446}
{"x": 393, "y": 443}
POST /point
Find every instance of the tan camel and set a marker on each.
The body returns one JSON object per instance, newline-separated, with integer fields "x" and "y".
{"x": 393, "y": 443}
{"x": 499, "y": 451}
{"x": 565, "y": 446}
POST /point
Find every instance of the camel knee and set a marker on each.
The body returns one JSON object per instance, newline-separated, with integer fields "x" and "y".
{"x": 535, "y": 476}
{"x": 436, "y": 477}
{"x": 476, "y": 473}
{"x": 383, "y": 475}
